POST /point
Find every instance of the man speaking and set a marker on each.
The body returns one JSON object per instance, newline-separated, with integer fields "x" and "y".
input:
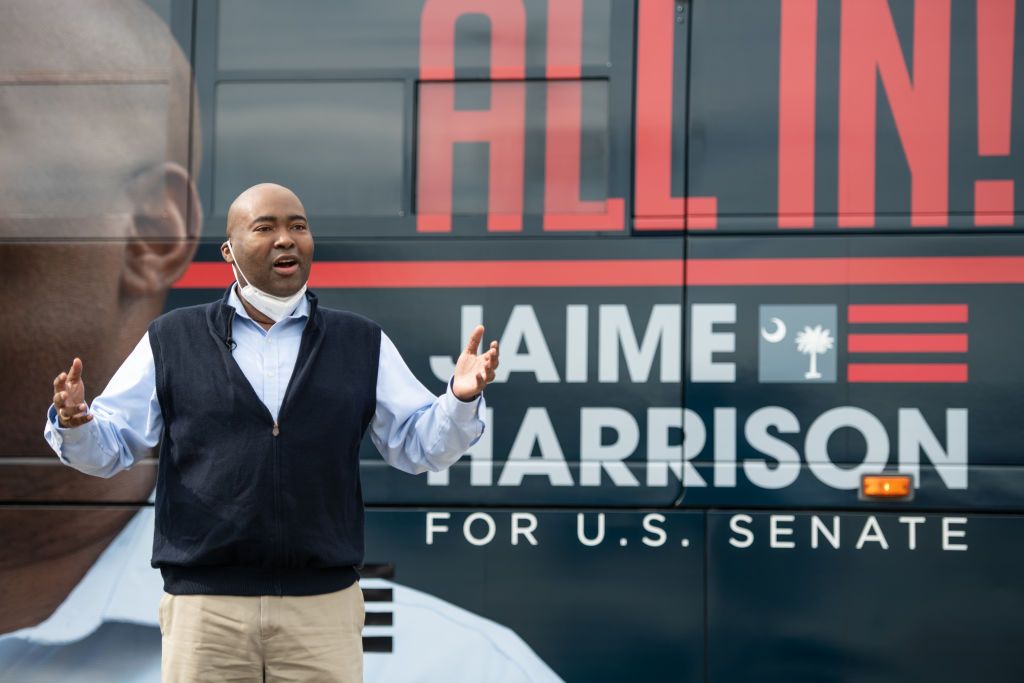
{"x": 259, "y": 401}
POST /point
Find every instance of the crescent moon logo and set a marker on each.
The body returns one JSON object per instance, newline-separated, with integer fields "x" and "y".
{"x": 778, "y": 335}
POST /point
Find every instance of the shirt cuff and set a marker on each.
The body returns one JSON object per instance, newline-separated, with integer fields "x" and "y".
{"x": 69, "y": 434}
{"x": 458, "y": 409}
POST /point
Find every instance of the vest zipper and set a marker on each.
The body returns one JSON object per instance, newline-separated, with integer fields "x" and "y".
{"x": 279, "y": 541}
{"x": 275, "y": 431}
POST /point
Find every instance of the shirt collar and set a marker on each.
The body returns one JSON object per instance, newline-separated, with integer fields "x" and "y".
{"x": 301, "y": 309}
{"x": 120, "y": 586}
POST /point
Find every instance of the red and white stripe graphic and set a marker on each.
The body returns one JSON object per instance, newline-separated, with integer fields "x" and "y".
{"x": 908, "y": 341}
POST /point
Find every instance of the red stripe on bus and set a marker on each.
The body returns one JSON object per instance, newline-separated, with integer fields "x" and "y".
{"x": 644, "y": 272}
{"x": 906, "y": 372}
{"x": 907, "y": 313}
{"x": 907, "y": 343}
{"x": 922, "y": 270}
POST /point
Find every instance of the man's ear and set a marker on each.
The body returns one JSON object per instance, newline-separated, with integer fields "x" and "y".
{"x": 166, "y": 224}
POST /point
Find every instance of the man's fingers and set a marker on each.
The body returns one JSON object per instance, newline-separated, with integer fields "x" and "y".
{"x": 486, "y": 372}
{"x": 58, "y": 381}
{"x": 76, "y": 420}
{"x": 60, "y": 399}
{"x": 73, "y": 416}
{"x": 76, "y": 370}
{"x": 474, "y": 339}
{"x": 66, "y": 409}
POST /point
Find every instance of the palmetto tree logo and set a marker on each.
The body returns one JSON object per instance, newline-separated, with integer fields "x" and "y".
{"x": 813, "y": 341}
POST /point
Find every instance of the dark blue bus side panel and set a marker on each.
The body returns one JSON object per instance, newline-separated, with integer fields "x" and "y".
{"x": 873, "y": 598}
{"x": 599, "y": 596}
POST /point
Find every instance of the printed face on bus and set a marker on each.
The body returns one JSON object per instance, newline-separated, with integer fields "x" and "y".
{"x": 98, "y": 217}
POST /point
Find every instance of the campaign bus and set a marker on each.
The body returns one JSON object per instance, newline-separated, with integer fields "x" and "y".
{"x": 757, "y": 275}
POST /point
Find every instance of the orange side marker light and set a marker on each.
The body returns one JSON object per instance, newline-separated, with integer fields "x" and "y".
{"x": 885, "y": 486}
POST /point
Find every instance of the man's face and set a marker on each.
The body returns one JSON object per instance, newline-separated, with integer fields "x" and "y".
{"x": 270, "y": 240}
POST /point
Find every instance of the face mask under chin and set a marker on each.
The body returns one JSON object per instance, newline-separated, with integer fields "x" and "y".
{"x": 274, "y": 307}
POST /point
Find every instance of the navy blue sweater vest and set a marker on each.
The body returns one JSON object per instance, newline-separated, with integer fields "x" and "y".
{"x": 244, "y": 505}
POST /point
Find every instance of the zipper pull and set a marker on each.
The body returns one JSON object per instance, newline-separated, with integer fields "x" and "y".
{"x": 276, "y": 430}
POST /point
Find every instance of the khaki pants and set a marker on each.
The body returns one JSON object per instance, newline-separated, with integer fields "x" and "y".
{"x": 263, "y": 638}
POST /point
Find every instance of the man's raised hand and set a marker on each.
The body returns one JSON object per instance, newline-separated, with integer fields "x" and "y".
{"x": 69, "y": 396}
{"x": 474, "y": 371}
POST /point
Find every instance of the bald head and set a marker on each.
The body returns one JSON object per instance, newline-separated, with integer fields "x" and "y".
{"x": 256, "y": 201}
{"x": 267, "y": 222}
{"x": 64, "y": 37}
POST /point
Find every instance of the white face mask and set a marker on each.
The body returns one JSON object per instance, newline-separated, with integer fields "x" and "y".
{"x": 274, "y": 307}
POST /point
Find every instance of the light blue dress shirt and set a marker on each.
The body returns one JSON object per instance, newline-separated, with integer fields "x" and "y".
{"x": 414, "y": 430}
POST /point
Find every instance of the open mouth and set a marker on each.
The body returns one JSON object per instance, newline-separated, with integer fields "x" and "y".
{"x": 286, "y": 265}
